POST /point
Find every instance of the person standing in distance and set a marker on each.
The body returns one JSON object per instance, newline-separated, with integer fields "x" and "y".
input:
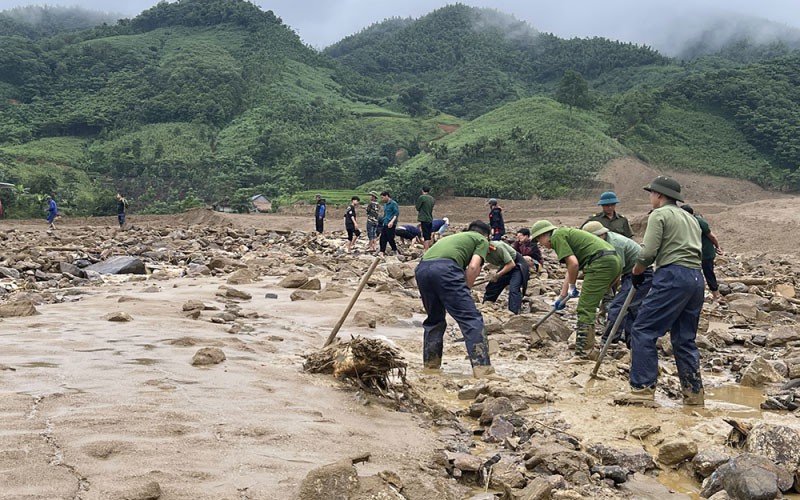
{"x": 424, "y": 207}
{"x": 496, "y": 220}
{"x": 672, "y": 243}
{"x": 391, "y": 212}
{"x": 52, "y": 211}
{"x": 373, "y": 221}
{"x": 319, "y": 213}
{"x": 445, "y": 276}
{"x": 351, "y": 223}
{"x": 122, "y": 207}
{"x": 609, "y": 216}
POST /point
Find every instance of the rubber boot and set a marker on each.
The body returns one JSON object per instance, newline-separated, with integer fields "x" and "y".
{"x": 584, "y": 339}
{"x": 642, "y": 397}
{"x": 693, "y": 398}
{"x": 434, "y": 363}
{"x": 487, "y": 372}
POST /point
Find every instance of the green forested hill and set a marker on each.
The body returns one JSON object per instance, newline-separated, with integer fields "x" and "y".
{"x": 201, "y": 101}
{"x": 470, "y": 60}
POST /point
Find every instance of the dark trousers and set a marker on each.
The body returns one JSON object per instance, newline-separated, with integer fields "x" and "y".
{"x": 319, "y": 222}
{"x": 387, "y": 236}
{"x": 443, "y": 289}
{"x": 709, "y": 275}
{"x": 517, "y": 283}
{"x": 497, "y": 234}
{"x": 121, "y": 219}
{"x": 674, "y": 303}
{"x": 633, "y": 308}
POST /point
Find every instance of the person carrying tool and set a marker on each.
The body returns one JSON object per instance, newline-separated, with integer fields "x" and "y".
{"x": 528, "y": 248}
{"x": 424, "y": 207}
{"x": 609, "y": 216}
{"x": 597, "y": 259}
{"x": 711, "y": 248}
{"x": 628, "y": 253}
{"x": 513, "y": 273}
{"x": 445, "y": 276}
{"x": 496, "y": 222}
{"x": 672, "y": 242}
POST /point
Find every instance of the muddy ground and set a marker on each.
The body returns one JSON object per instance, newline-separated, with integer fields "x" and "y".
{"x": 95, "y": 409}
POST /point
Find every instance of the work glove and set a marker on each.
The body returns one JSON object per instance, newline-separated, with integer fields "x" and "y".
{"x": 560, "y": 303}
{"x": 573, "y": 292}
{"x": 637, "y": 280}
{"x": 493, "y": 277}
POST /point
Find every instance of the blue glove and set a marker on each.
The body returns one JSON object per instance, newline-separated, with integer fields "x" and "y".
{"x": 560, "y": 303}
{"x": 573, "y": 292}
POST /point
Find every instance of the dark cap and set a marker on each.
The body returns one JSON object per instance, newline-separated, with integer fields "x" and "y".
{"x": 667, "y": 186}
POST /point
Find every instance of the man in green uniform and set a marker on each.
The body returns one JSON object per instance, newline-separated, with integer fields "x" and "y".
{"x": 513, "y": 273}
{"x": 424, "y": 207}
{"x": 445, "y": 276}
{"x": 609, "y": 216}
{"x": 710, "y": 250}
{"x": 628, "y": 252}
{"x": 672, "y": 243}
{"x": 597, "y": 259}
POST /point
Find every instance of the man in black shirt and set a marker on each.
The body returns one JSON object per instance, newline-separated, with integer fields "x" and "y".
{"x": 351, "y": 223}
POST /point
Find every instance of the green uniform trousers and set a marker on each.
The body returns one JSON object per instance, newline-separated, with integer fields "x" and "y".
{"x": 597, "y": 277}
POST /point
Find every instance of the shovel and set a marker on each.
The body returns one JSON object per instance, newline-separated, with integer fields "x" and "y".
{"x": 614, "y": 329}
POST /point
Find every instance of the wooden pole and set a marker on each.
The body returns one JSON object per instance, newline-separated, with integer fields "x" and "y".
{"x": 346, "y": 312}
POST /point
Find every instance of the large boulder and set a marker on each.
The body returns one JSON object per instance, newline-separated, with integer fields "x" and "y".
{"x": 761, "y": 471}
{"x": 293, "y": 280}
{"x": 120, "y": 264}
{"x": 779, "y": 443}
{"x": 676, "y": 451}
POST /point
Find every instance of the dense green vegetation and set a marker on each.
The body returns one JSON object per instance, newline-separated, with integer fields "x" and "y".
{"x": 206, "y": 101}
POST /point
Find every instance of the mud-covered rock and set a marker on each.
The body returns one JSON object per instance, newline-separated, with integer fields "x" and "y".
{"x": 365, "y": 319}
{"x": 149, "y": 490}
{"x": 633, "y": 459}
{"x": 536, "y": 489}
{"x": 759, "y": 372}
{"x": 473, "y": 391}
{"x": 338, "y": 480}
{"x": 302, "y": 295}
{"x": 746, "y": 305}
{"x": 242, "y": 276}
{"x": 233, "y": 293}
{"x": 494, "y": 407}
{"x": 506, "y": 476}
{"x": 466, "y": 462}
{"x": 498, "y": 431}
{"x": 18, "y": 308}
{"x": 293, "y": 280}
{"x": 71, "y": 269}
{"x": 676, "y": 451}
{"x": 781, "y": 336}
{"x": 208, "y": 356}
{"x": 119, "y": 317}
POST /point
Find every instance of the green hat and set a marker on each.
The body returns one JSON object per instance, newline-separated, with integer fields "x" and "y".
{"x": 666, "y": 186}
{"x": 595, "y": 227}
{"x": 540, "y": 227}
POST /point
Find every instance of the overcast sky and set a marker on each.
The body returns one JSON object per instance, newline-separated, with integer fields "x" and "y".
{"x": 654, "y": 22}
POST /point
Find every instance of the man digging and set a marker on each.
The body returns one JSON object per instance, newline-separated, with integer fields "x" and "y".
{"x": 598, "y": 260}
{"x": 628, "y": 251}
{"x": 445, "y": 276}
{"x": 513, "y": 273}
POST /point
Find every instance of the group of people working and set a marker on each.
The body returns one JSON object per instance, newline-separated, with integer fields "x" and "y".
{"x": 383, "y": 228}
{"x": 664, "y": 275}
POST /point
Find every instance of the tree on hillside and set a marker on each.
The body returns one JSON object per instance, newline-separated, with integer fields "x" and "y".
{"x": 573, "y": 91}
{"x": 413, "y": 100}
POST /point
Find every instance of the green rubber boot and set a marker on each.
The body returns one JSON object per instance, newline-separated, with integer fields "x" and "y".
{"x": 584, "y": 339}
